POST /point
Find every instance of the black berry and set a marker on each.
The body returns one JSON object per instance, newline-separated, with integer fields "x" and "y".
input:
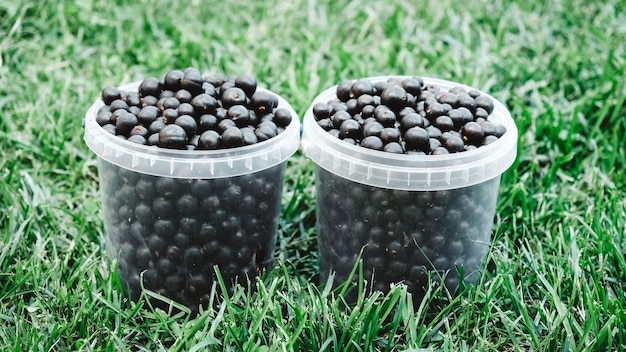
{"x": 148, "y": 114}
{"x": 188, "y": 123}
{"x": 125, "y": 123}
{"x": 372, "y": 142}
{"x": 417, "y": 138}
{"x": 173, "y": 137}
{"x": 110, "y": 94}
{"x": 232, "y": 137}
{"x": 394, "y": 97}
{"x": 191, "y": 82}
{"x": 246, "y": 83}
{"x": 172, "y": 80}
{"x": 233, "y": 96}
{"x": 204, "y": 104}
{"x": 360, "y": 87}
{"x": 150, "y": 87}
{"x": 263, "y": 102}
{"x": 282, "y": 117}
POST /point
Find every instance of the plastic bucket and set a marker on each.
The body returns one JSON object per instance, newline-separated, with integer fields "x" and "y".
{"x": 170, "y": 216}
{"x": 410, "y": 218}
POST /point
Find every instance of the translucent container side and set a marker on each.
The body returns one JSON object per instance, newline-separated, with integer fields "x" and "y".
{"x": 191, "y": 164}
{"x": 168, "y": 234}
{"x": 403, "y": 236}
{"x": 410, "y": 172}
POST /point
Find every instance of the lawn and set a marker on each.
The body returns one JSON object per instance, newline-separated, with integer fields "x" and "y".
{"x": 555, "y": 277}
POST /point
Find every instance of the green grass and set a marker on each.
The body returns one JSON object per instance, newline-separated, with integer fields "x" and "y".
{"x": 556, "y": 277}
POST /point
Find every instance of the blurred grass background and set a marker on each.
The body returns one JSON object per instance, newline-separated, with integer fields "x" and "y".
{"x": 556, "y": 271}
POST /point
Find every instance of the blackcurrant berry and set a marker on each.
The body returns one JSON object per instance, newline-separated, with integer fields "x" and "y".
{"x": 173, "y": 136}
{"x": 263, "y": 102}
{"x": 395, "y": 97}
{"x": 150, "y": 86}
{"x": 209, "y": 140}
{"x": 232, "y": 137}
{"x": 246, "y": 83}
{"x": 372, "y": 142}
{"x": 233, "y": 96}
{"x": 110, "y": 94}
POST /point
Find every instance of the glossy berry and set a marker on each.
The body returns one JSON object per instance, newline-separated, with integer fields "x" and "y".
{"x": 385, "y": 116}
{"x": 184, "y": 96}
{"x": 481, "y": 113}
{"x": 225, "y": 124}
{"x": 239, "y": 114}
{"x": 110, "y": 94}
{"x": 192, "y": 82}
{"x": 150, "y": 86}
{"x": 282, "y": 117}
{"x": 104, "y": 117}
{"x": 265, "y": 131}
{"x": 448, "y": 98}
{"x": 412, "y": 86}
{"x": 417, "y": 138}
{"x": 473, "y": 133}
{"x": 444, "y": 123}
{"x": 207, "y": 122}
{"x": 148, "y": 114}
{"x": 433, "y": 110}
{"x": 390, "y": 134}
{"x": 263, "y": 102}
{"x": 153, "y": 139}
{"x": 394, "y": 97}
{"x": 373, "y": 128}
{"x": 343, "y": 90}
{"x": 172, "y": 136}
{"x": 411, "y": 120}
{"x": 137, "y": 139}
{"x": 339, "y": 117}
{"x": 149, "y": 100}
{"x": 232, "y": 137}
{"x": 185, "y": 109}
{"x": 156, "y": 125}
{"x": 246, "y": 83}
{"x": 196, "y": 104}
{"x": 233, "y": 96}
{"x": 118, "y": 104}
{"x": 483, "y": 101}
{"x": 394, "y": 147}
{"x": 170, "y": 103}
{"x": 360, "y": 87}
{"x": 172, "y": 80}
{"x": 125, "y": 123}
{"x": 372, "y": 142}
{"x": 321, "y": 111}
{"x": 169, "y": 116}
{"x": 350, "y": 129}
{"x": 499, "y": 129}
{"x": 249, "y": 137}
{"x": 454, "y": 144}
{"x": 188, "y": 123}
{"x": 139, "y": 130}
{"x": 425, "y": 116}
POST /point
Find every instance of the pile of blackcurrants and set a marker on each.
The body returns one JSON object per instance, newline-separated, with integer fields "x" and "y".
{"x": 406, "y": 116}
{"x": 185, "y": 110}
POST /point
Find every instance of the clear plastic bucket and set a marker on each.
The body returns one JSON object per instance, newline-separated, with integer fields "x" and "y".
{"x": 409, "y": 216}
{"x": 170, "y": 216}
